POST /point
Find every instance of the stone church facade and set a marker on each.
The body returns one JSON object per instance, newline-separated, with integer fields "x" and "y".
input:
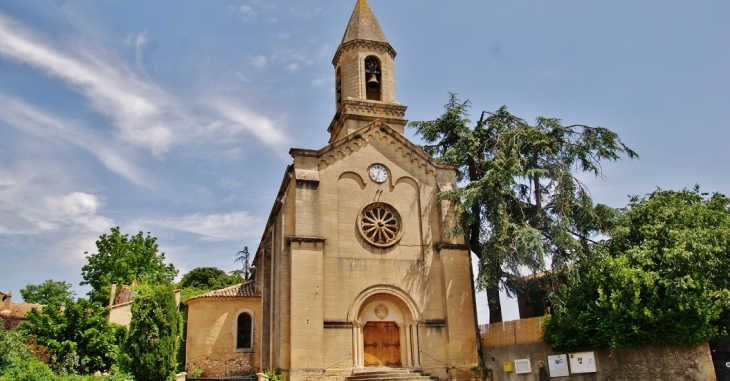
{"x": 355, "y": 269}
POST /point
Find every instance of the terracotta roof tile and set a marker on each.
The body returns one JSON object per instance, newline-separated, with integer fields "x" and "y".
{"x": 124, "y": 295}
{"x": 247, "y": 289}
{"x": 19, "y": 309}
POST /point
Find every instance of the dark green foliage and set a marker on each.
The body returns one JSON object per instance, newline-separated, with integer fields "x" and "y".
{"x": 124, "y": 259}
{"x": 662, "y": 278}
{"x": 49, "y": 292}
{"x": 207, "y": 278}
{"x": 521, "y": 202}
{"x": 16, "y": 360}
{"x": 153, "y": 336}
{"x": 80, "y": 340}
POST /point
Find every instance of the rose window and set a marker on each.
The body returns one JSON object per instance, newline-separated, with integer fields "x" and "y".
{"x": 380, "y": 224}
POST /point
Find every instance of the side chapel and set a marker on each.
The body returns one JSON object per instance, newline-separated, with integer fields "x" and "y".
{"x": 355, "y": 269}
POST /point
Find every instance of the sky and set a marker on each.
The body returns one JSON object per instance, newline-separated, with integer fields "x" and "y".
{"x": 176, "y": 117}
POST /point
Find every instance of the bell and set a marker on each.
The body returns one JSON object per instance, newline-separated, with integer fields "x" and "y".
{"x": 373, "y": 80}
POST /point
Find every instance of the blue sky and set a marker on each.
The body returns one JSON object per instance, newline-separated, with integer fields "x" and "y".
{"x": 177, "y": 117}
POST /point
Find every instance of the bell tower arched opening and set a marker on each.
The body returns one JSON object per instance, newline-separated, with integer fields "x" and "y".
{"x": 373, "y": 79}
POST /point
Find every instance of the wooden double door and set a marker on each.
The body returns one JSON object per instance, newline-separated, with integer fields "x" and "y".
{"x": 382, "y": 344}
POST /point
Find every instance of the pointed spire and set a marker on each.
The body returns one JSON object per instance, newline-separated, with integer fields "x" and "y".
{"x": 363, "y": 25}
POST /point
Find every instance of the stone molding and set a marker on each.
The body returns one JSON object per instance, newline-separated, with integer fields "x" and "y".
{"x": 302, "y": 175}
{"x": 378, "y": 130}
{"x": 335, "y": 324}
{"x": 367, "y": 110}
{"x": 368, "y": 44}
{"x": 292, "y": 238}
{"x": 434, "y": 323}
{"x": 451, "y": 246}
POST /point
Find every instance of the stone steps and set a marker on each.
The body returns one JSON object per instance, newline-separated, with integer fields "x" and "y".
{"x": 385, "y": 374}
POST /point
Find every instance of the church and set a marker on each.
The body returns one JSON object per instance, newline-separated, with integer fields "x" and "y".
{"x": 356, "y": 270}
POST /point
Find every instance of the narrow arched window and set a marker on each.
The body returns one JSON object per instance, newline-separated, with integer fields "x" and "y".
{"x": 373, "y": 78}
{"x": 338, "y": 87}
{"x": 243, "y": 337}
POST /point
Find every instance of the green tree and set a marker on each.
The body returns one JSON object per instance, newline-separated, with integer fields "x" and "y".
{"x": 522, "y": 201}
{"x": 123, "y": 259}
{"x": 661, "y": 278}
{"x": 243, "y": 257}
{"x": 207, "y": 278}
{"x": 79, "y": 339}
{"x": 48, "y": 292}
{"x": 17, "y": 362}
{"x": 154, "y": 334}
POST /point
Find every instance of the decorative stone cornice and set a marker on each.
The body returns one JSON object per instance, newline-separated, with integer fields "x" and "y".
{"x": 434, "y": 323}
{"x": 451, "y": 246}
{"x": 298, "y": 239}
{"x": 377, "y": 130}
{"x": 358, "y": 109}
{"x": 305, "y": 176}
{"x": 337, "y": 324}
{"x": 361, "y": 106}
{"x": 368, "y": 44}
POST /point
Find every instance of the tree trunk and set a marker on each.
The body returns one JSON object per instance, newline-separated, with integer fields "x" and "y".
{"x": 495, "y": 306}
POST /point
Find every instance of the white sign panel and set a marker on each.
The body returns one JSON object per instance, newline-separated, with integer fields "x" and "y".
{"x": 582, "y": 362}
{"x": 558, "y": 365}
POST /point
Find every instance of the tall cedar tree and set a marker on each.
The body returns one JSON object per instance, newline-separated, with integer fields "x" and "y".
{"x": 124, "y": 259}
{"x": 153, "y": 338}
{"x": 521, "y": 201}
{"x": 661, "y": 278}
{"x": 243, "y": 256}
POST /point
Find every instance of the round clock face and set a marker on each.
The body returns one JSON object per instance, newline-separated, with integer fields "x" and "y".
{"x": 378, "y": 173}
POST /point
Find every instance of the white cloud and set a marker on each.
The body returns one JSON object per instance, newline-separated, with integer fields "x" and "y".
{"x": 241, "y": 119}
{"x": 75, "y": 209}
{"x": 292, "y": 67}
{"x": 138, "y": 41}
{"x": 272, "y": 20}
{"x": 27, "y": 118}
{"x": 212, "y": 227}
{"x": 245, "y": 10}
{"x": 30, "y": 205}
{"x": 258, "y": 62}
{"x": 321, "y": 80}
{"x": 141, "y": 111}
{"x": 144, "y": 114}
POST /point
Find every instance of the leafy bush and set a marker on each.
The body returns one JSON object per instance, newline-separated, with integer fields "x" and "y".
{"x": 80, "y": 340}
{"x": 17, "y": 362}
{"x": 662, "y": 278}
{"x": 272, "y": 375}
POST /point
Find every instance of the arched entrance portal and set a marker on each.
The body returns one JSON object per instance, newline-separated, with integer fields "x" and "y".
{"x": 385, "y": 328}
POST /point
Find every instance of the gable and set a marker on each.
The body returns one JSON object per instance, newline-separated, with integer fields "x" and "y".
{"x": 388, "y": 142}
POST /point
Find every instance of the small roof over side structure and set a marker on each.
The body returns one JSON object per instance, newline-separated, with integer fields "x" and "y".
{"x": 247, "y": 289}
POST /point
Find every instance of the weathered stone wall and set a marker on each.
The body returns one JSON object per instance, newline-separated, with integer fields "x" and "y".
{"x": 211, "y": 345}
{"x": 520, "y": 339}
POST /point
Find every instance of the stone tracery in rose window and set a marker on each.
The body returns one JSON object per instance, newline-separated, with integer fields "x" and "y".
{"x": 380, "y": 224}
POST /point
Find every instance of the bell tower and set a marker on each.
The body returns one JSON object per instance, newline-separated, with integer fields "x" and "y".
{"x": 364, "y": 77}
